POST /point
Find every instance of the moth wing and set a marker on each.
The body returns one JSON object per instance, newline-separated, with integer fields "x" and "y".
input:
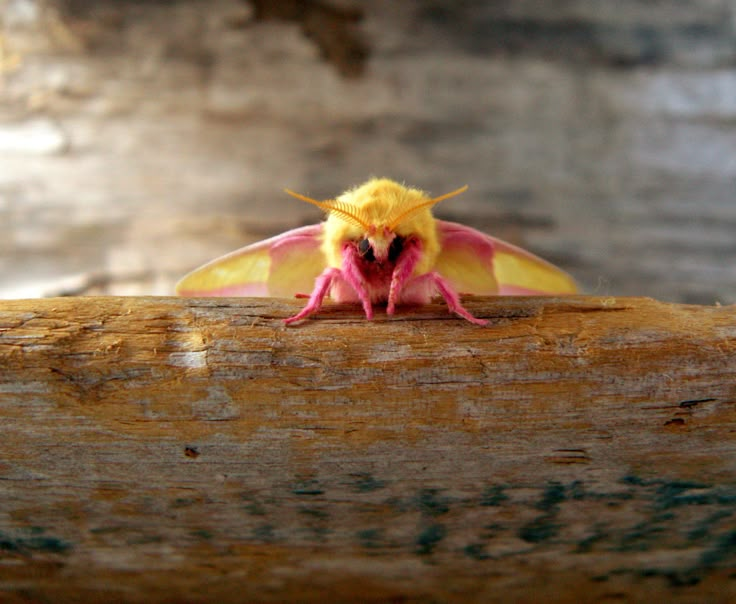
{"x": 281, "y": 266}
{"x": 476, "y": 263}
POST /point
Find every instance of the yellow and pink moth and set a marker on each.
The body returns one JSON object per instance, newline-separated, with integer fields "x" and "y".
{"x": 380, "y": 244}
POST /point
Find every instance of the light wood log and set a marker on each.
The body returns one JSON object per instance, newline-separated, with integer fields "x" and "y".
{"x": 189, "y": 450}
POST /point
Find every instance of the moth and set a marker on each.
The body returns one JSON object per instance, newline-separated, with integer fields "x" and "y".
{"x": 380, "y": 244}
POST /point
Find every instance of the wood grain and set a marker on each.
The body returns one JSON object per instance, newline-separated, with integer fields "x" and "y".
{"x": 189, "y": 450}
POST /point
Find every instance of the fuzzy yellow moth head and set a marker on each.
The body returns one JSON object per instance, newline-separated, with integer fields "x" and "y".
{"x": 380, "y": 210}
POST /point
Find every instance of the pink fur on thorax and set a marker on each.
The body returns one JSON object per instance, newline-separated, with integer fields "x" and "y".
{"x": 375, "y": 278}
{"x": 370, "y": 281}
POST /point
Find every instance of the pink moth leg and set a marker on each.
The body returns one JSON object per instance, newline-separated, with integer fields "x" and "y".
{"x": 450, "y": 296}
{"x": 324, "y": 282}
{"x": 408, "y": 259}
{"x": 353, "y": 276}
{"x": 321, "y": 287}
{"x": 402, "y": 273}
{"x": 453, "y": 300}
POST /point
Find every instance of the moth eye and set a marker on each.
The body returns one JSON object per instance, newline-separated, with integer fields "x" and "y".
{"x": 395, "y": 249}
{"x": 365, "y": 250}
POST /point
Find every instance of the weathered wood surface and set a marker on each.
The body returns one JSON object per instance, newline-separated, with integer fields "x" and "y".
{"x": 183, "y": 450}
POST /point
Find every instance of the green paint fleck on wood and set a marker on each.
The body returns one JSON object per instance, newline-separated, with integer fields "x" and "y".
{"x": 430, "y": 503}
{"x": 704, "y": 529}
{"x": 723, "y": 549}
{"x": 579, "y": 492}
{"x": 540, "y": 529}
{"x": 553, "y": 495}
{"x": 634, "y": 480}
{"x": 370, "y": 538}
{"x": 673, "y": 494}
{"x": 493, "y": 496}
{"x": 308, "y": 487}
{"x": 429, "y": 538}
{"x": 585, "y": 545}
{"x": 675, "y": 578}
{"x": 31, "y": 540}
{"x": 365, "y": 483}
{"x": 477, "y": 551}
{"x": 183, "y": 502}
{"x": 640, "y": 537}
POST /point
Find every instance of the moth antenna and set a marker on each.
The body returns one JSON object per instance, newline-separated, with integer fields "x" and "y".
{"x": 344, "y": 210}
{"x": 430, "y": 202}
{"x": 450, "y": 194}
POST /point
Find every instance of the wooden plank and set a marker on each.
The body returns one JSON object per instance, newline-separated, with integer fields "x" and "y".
{"x": 164, "y": 450}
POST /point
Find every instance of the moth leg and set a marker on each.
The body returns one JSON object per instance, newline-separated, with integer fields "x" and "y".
{"x": 410, "y": 255}
{"x": 321, "y": 287}
{"x": 452, "y": 299}
{"x": 352, "y": 275}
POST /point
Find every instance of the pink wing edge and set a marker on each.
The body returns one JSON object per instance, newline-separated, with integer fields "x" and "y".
{"x": 278, "y": 247}
{"x": 485, "y": 246}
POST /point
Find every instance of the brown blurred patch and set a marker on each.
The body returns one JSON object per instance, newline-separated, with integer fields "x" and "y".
{"x": 333, "y": 28}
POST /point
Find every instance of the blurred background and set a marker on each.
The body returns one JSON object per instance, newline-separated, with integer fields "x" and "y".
{"x": 139, "y": 139}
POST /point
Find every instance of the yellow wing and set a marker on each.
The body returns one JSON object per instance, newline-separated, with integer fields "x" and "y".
{"x": 281, "y": 266}
{"x": 476, "y": 263}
